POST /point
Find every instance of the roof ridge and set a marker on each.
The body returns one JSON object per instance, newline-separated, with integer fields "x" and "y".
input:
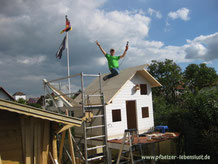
{"x": 111, "y": 86}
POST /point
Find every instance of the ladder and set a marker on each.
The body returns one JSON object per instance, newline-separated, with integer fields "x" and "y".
{"x": 99, "y": 113}
{"x": 128, "y": 137}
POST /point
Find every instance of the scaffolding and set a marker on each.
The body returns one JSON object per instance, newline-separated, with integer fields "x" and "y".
{"x": 93, "y": 116}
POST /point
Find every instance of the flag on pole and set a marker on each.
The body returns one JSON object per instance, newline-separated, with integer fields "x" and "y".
{"x": 61, "y": 48}
{"x": 68, "y": 26}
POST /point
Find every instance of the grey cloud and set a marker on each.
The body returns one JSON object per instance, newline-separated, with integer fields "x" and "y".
{"x": 203, "y": 47}
{"x": 30, "y": 29}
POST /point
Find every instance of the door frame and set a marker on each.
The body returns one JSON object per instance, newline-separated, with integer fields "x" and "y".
{"x": 136, "y": 118}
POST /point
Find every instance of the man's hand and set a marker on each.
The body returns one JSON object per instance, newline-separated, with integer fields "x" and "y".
{"x": 102, "y": 50}
{"x": 97, "y": 43}
{"x": 127, "y": 46}
{"x": 124, "y": 53}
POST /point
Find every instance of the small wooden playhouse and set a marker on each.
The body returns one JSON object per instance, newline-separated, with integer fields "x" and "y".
{"x": 28, "y": 135}
{"x": 128, "y": 99}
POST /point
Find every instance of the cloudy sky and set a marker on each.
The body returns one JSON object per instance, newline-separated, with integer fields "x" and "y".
{"x": 183, "y": 30}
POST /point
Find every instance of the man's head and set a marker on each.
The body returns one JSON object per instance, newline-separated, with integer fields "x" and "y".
{"x": 112, "y": 52}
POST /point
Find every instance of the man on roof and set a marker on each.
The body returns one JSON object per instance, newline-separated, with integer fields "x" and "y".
{"x": 113, "y": 61}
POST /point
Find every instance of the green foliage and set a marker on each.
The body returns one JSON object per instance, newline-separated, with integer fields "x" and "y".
{"x": 203, "y": 110}
{"x": 193, "y": 112}
{"x": 169, "y": 75}
{"x": 21, "y": 101}
{"x": 198, "y": 76}
{"x": 35, "y": 105}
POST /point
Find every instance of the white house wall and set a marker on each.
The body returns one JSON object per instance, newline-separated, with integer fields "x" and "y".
{"x": 17, "y": 97}
{"x": 116, "y": 129}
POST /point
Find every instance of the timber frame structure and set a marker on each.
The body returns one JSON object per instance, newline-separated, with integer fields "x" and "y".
{"x": 29, "y": 134}
{"x": 85, "y": 149}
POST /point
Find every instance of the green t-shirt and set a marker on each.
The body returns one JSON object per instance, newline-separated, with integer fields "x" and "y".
{"x": 112, "y": 61}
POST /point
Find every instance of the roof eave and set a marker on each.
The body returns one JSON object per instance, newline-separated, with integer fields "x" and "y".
{"x": 150, "y": 78}
{"x": 38, "y": 113}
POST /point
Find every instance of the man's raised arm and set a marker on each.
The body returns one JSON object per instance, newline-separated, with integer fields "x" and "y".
{"x": 124, "y": 53}
{"x": 102, "y": 50}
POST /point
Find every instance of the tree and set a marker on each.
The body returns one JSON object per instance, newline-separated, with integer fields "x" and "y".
{"x": 35, "y": 105}
{"x": 199, "y": 76}
{"x": 169, "y": 75}
{"x": 203, "y": 112}
{"x": 195, "y": 116}
{"x": 21, "y": 100}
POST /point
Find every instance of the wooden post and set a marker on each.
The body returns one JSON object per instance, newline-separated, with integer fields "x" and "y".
{"x": 71, "y": 147}
{"x": 61, "y": 146}
{"x": 71, "y": 143}
{"x": 54, "y": 148}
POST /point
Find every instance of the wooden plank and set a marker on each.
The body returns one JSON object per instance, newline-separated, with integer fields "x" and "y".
{"x": 36, "y": 136}
{"x": 12, "y": 155}
{"x": 45, "y": 144}
{"x": 150, "y": 78}
{"x": 39, "y": 113}
{"x": 10, "y": 146}
{"x": 54, "y": 148}
{"x": 71, "y": 144}
{"x": 22, "y": 125}
{"x": 59, "y": 119}
{"x": 71, "y": 147}
{"x": 64, "y": 128}
{"x": 10, "y": 137}
{"x": 40, "y": 138}
{"x": 28, "y": 145}
{"x": 31, "y": 136}
{"x": 61, "y": 146}
{"x": 10, "y": 162}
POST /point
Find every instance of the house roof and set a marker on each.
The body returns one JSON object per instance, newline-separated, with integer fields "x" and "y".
{"x": 18, "y": 94}
{"x": 111, "y": 87}
{"x": 32, "y": 100}
{"x": 1, "y": 88}
{"x": 39, "y": 113}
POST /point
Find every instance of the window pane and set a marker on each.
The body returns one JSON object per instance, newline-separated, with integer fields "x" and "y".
{"x": 143, "y": 89}
{"x": 145, "y": 112}
{"x": 116, "y": 115}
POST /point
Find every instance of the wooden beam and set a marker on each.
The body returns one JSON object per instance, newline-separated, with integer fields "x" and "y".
{"x": 38, "y": 113}
{"x": 40, "y": 135}
{"x": 54, "y": 148}
{"x": 0, "y": 160}
{"x": 22, "y": 125}
{"x": 28, "y": 145}
{"x": 71, "y": 144}
{"x": 45, "y": 144}
{"x": 71, "y": 147}
{"x": 61, "y": 146}
{"x": 64, "y": 128}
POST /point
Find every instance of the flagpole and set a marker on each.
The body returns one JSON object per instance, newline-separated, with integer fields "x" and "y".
{"x": 68, "y": 64}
